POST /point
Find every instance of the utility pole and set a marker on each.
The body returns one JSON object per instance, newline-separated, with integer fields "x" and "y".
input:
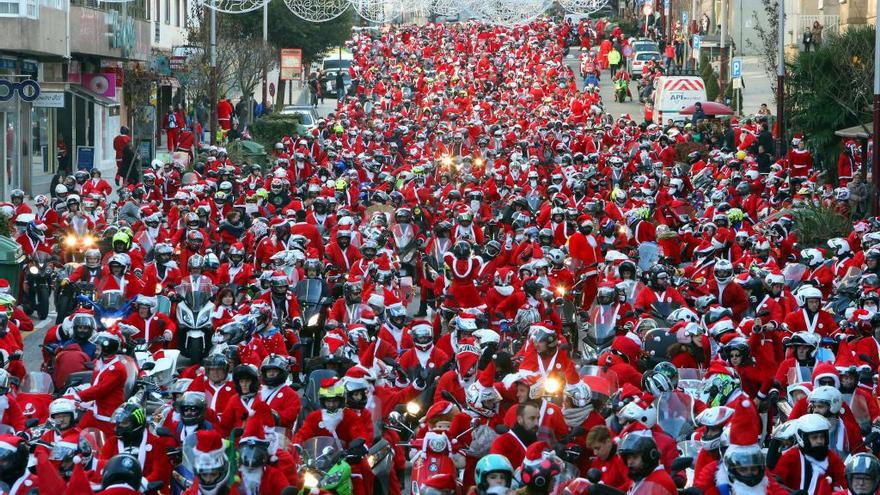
{"x": 875, "y": 154}
{"x": 265, "y": 101}
{"x": 780, "y": 80}
{"x": 722, "y": 69}
{"x": 212, "y": 48}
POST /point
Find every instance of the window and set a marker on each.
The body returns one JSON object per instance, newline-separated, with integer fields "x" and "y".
{"x": 33, "y": 9}
{"x": 179, "y": 13}
{"x": 9, "y": 8}
{"x": 168, "y": 12}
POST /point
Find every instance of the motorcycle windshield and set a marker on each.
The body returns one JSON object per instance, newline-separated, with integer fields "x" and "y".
{"x": 318, "y": 452}
{"x": 94, "y": 438}
{"x": 649, "y": 254}
{"x": 309, "y": 291}
{"x": 534, "y": 202}
{"x": 403, "y": 235}
{"x": 793, "y": 273}
{"x": 603, "y": 321}
{"x": 675, "y": 414}
{"x": 37, "y": 382}
{"x": 189, "y": 452}
{"x": 852, "y": 280}
{"x": 690, "y": 380}
{"x": 41, "y": 257}
{"x": 601, "y": 381}
{"x": 632, "y": 289}
{"x": 657, "y": 343}
{"x": 859, "y": 407}
{"x": 195, "y": 295}
{"x": 112, "y": 300}
{"x": 799, "y": 374}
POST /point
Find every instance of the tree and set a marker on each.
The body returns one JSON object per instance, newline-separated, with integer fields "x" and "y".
{"x": 252, "y": 57}
{"x": 709, "y": 78}
{"x": 831, "y": 88}
{"x": 289, "y": 31}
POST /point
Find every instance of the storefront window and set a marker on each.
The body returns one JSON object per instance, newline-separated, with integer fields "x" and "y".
{"x": 42, "y": 148}
{"x": 11, "y": 146}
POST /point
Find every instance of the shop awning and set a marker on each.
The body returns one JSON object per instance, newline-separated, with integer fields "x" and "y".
{"x": 100, "y": 100}
{"x": 862, "y": 131}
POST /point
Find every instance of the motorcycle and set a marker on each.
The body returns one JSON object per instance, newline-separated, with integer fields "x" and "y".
{"x": 311, "y": 294}
{"x": 325, "y": 464}
{"x": 75, "y": 244}
{"x": 110, "y": 308}
{"x": 600, "y": 332}
{"x": 194, "y": 319}
{"x": 39, "y": 275}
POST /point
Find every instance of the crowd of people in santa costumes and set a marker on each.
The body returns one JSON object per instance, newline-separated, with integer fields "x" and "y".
{"x": 522, "y": 292}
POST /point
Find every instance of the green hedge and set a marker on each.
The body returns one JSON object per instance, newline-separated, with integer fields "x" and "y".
{"x": 270, "y": 129}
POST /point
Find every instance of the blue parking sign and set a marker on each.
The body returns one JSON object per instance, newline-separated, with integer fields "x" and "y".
{"x": 684, "y": 17}
{"x": 736, "y": 68}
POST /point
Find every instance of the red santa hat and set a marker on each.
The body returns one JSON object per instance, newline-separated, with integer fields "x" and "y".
{"x": 626, "y": 347}
{"x": 537, "y": 452}
{"x": 439, "y": 410}
{"x": 718, "y": 367}
{"x": 465, "y": 360}
{"x": 254, "y": 428}
{"x": 440, "y": 483}
{"x": 209, "y": 443}
{"x": 745, "y": 427}
{"x": 826, "y": 370}
{"x": 629, "y": 390}
{"x": 367, "y": 356}
{"x": 486, "y": 378}
{"x": 846, "y": 359}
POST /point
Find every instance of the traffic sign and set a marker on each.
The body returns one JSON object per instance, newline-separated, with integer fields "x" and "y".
{"x": 736, "y": 68}
{"x": 684, "y": 17}
{"x": 696, "y": 42}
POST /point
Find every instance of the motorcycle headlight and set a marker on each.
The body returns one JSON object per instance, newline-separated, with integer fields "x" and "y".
{"x": 331, "y": 479}
{"x": 186, "y": 316}
{"x": 70, "y": 241}
{"x": 204, "y": 316}
{"x": 108, "y": 321}
{"x": 34, "y": 270}
{"x": 313, "y": 320}
{"x": 413, "y": 408}
{"x": 310, "y": 480}
{"x": 371, "y": 460}
{"x": 89, "y": 241}
{"x": 553, "y": 385}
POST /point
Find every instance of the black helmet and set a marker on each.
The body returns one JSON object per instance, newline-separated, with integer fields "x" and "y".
{"x": 865, "y": 466}
{"x": 122, "y": 469}
{"x": 216, "y": 360}
{"x": 274, "y": 362}
{"x": 245, "y": 371}
{"x": 253, "y": 453}
{"x": 191, "y": 406}
{"x": 493, "y": 249}
{"x": 668, "y": 370}
{"x": 107, "y": 343}
{"x": 461, "y": 250}
{"x": 539, "y": 476}
{"x": 745, "y": 458}
{"x": 13, "y": 463}
{"x": 642, "y": 444}
{"x": 130, "y": 420}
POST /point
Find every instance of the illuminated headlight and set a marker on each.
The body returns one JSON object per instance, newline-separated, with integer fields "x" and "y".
{"x": 553, "y": 385}
{"x": 89, "y": 241}
{"x": 478, "y": 162}
{"x": 34, "y": 270}
{"x": 310, "y": 480}
{"x": 109, "y": 322}
{"x": 371, "y": 460}
{"x": 561, "y": 291}
{"x": 158, "y": 287}
{"x": 313, "y": 320}
{"x": 413, "y": 408}
{"x": 446, "y": 161}
{"x": 70, "y": 241}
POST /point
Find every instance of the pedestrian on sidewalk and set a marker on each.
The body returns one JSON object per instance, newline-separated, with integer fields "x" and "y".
{"x": 119, "y": 144}
{"x": 817, "y": 34}
{"x": 670, "y": 57}
{"x": 808, "y": 39}
{"x": 171, "y": 126}
{"x": 613, "y": 60}
{"x": 314, "y": 88}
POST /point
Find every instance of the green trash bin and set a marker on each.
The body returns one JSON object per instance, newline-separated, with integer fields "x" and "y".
{"x": 11, "y": 258}
{"x": 253, "y": 152}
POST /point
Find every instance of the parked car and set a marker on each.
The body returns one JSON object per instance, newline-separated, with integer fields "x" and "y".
{"x": 308, "y": 115}
{"x": 638, "y": 62}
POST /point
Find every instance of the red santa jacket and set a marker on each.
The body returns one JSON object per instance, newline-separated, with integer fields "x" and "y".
{"x": 319, "y": 424}
{"x": 821, "y": 323}
{"x": 152, "y": 327}
{"x": 791, "y": 467}
{"x": 284, "y": 401}
{"x": 414, "y": 359}
{"x": 509, "y": 445}
{"x": 107, "y": 387}
{"x": 151, "y": 453}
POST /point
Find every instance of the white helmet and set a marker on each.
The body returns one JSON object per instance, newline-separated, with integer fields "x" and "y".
{"x": 774, "y": 279}
{"x": 786, "y": 431}
{"x": 683, "y": 314}
{"x": 61, "y": 406}
{"x": 476, "y": 396}
{"x": 486, "y": 336}
{"x": 828, "y": 395}
{"x": 156, "y": 164}
{"x": 839, "y": 245}
{"x": 60, "y": 189}
{"x": 807, "y": 292}
{"x": 717, "y": 416}
{"x": 723, "y": 271}
{"x": 807, "y": 425}
{"x": 635, "y": 412}
{"x": 812, "y": 256}
{"x": 579, "y": 393}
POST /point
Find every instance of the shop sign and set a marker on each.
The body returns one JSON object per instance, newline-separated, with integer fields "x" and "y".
{"x": 50, "y": 99}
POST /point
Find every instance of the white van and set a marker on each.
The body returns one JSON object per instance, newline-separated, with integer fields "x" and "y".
{"x": 673, "y": 93}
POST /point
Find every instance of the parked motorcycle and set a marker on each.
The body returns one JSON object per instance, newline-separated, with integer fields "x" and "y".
{"x": 194, "y": 311}
{"x": 39, "y": 280}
